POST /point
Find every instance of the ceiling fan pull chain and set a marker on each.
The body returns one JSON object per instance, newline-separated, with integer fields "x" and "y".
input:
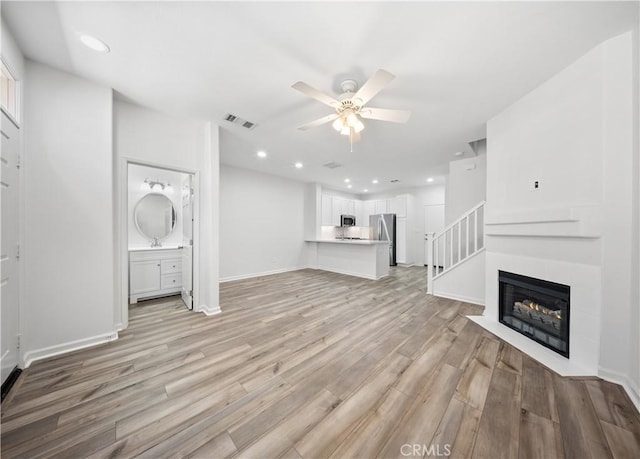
{"x": 351, "y": 140}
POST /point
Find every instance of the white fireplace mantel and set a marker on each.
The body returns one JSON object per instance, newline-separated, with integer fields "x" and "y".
{"x": 569, "y": 222}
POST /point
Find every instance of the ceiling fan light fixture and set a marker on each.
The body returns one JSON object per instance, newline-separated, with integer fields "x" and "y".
{"x": 352, "y": 119}
{"x": 350, "y": 105}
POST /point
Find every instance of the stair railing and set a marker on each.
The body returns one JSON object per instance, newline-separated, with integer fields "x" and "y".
{"x": 455, "y": 243}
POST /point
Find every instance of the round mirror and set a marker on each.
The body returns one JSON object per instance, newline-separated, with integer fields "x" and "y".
{"x": 155, "y": 216}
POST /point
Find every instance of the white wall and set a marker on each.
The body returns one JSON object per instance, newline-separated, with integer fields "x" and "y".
{"x": 635, "y": 230}
{"x": 261, "y": 224}
{"x": 617, "y": 170}
{"x": 150, "y": 137}
{"x": 312, "y": 210}
{"x": 466, "y": 186}
{"x": 68, "y": 204}
{"x": 465, "y": 282}
{"x": 575, "y": 135}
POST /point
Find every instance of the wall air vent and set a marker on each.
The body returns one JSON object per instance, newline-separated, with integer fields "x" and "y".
{"x": 332, "y": 165}
{"x": 234, "y": 119}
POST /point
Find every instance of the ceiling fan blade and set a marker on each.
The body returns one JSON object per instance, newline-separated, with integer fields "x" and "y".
{"x": 304, "y": 88}
{"x": 319, "y": 122}
{"x": 372, "y": 87}
{"x": 385, "y": 114}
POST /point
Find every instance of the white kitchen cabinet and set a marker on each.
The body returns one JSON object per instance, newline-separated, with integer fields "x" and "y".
{"x": 336, "y": 210}
{"x": 154, "y": 273}
{"x": 382, "y": 206}
{"x": 358, "y": 207}
{"x": 369, "y": 209}
{"x": 399, "y": 206}
{"x": 326, "y": 210}
{"x": 348, "y": 206}
{"x": 334, "y": 206}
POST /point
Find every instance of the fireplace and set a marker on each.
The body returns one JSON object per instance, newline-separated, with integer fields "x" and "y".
{"x": 537, "y": 308}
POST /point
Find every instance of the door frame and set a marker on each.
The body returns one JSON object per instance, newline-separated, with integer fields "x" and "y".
{"x": 424, "y": 232}
{"x": 121, "y": 310}
{"x": 20, "y": 266}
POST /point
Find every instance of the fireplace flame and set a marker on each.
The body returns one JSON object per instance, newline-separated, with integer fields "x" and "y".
{"x": 539, "y": 312}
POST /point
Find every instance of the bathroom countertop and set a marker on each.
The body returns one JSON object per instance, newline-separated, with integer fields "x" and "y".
{"x": 149, "y": 249}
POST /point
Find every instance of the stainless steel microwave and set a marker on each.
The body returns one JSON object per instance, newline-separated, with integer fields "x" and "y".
{"x": 347, "y": 220}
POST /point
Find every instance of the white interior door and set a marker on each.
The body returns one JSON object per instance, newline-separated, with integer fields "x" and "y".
{"x": 433, "y": 223}
{"x": 187, "y": 241}
{"x": 9, "y": 249}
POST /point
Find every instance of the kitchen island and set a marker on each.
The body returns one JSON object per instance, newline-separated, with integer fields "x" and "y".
{"x": 355, "y": 257}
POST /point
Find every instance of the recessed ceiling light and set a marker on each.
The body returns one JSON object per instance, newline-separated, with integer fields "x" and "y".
{"x": 346, "y": 180}
{"x": 349, "y": 186}
{"x": 94, "y": 43}
{"x": 374, "y": 181}
{"x": 298, "y": 165}
{"x": 365, "y": 190}
{"x": 430, "y": 179}
{"x": 459, "y": 153}
{"x": 262, "y": 154}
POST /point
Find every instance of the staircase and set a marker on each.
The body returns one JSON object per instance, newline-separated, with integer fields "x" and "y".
{"x": 454, "y": 245}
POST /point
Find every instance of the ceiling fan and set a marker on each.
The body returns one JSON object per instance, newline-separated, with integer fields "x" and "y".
{"x": 350, "y": 105}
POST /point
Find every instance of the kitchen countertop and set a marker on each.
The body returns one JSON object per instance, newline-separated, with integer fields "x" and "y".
{"x": 150, "y": 249}
{"x": 350, "y": 241}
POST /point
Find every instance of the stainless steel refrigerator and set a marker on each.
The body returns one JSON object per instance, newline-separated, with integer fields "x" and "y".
{"x": 383, "y": 228}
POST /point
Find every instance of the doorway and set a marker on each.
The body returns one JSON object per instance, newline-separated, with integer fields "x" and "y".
{"x": 10, "y": 249}
{"x": 159, "y": 213}
{"x": 433, "y": 223}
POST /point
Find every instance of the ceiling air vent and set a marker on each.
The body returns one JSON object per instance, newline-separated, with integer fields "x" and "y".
{"x": 239, "y": 121}
{"x": 394, "y": 181}
{"x": 332, "y": 165}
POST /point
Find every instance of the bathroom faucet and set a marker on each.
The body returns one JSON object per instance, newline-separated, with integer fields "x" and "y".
{"x": 156, "y": 242}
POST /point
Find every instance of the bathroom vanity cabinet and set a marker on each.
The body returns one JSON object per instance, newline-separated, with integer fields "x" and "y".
{"x": 154, "y": 273}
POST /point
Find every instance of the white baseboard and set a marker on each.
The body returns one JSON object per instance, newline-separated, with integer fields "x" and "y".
{"x": 209, "y": 311}
{"x": 466, "y": 299}
{"x": 52, "y": 351}
{"x": 630, "y": 387}
{"x": 263, "y": 273}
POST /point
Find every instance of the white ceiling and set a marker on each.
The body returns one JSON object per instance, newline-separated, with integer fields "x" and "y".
{"x": 457, "y": 64}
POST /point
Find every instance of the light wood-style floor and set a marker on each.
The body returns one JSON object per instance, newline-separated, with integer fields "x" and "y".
{"x": 312, "y": 364}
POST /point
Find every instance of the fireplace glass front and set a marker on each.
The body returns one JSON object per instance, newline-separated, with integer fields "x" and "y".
{"x": 537, "y": 308}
